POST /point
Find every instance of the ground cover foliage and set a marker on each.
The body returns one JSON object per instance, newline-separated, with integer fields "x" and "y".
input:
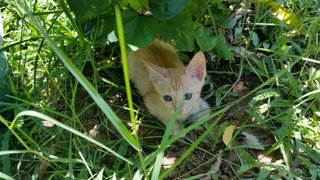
{"x": 63, "y": 98}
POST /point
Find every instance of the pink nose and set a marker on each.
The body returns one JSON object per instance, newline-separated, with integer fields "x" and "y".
{"x": 181, "y": 109}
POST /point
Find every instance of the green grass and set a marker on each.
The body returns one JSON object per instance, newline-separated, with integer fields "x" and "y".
{"x": 71, "y": 114}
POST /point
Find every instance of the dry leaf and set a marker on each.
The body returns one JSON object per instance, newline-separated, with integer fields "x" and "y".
{"x": 227, "y": 135}
{"x": 281, "y": 13}
{"x": 264, "y": 159}
{"x": 42, "y": 169}
{"x": 217, "y": 164}
{"x": 216, "y": 167}
{"x": 240, "y": 88}
{"x": 47, "y": 123}
{"x": 167, "y": 162}
{"x": 93, "y": 132}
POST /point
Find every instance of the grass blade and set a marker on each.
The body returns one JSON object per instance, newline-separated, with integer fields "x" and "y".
{"x": 57, "y": 123}
{"x": 164, "y": 141}
{"x": 190, "y": 149}
{"x": 83, "y": 81}
{"x": 2, "y": 153}
{"x": 126, "y": 78}
{"x": 4, "y": 176}
{"x": 125, "y": 66}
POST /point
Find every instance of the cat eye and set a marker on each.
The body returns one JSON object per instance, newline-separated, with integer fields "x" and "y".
{"x": 167, "y": 98}
{"x": 187, "y": 96}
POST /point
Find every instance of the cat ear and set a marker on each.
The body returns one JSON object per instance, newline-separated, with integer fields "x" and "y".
{"x": 156, "y": 73}
{"x": 197, "y": 66}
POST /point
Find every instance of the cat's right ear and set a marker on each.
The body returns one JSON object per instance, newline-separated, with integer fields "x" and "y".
{"x": 156, "y": 73}
{"x": 197, "y": 66}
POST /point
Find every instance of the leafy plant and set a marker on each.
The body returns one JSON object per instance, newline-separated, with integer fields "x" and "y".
{"x": 180, "y": 21}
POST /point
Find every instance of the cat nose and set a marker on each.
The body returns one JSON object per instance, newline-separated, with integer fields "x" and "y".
{"x": 176, "y": 106}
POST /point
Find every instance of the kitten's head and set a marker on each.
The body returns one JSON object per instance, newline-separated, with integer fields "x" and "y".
{"x": 174, "y": 84}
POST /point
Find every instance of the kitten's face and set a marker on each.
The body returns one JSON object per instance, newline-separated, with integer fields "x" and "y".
{"x": 176, "y": 84}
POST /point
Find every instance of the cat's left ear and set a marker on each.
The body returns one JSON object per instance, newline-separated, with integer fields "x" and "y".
{"x": 197, "y": 66}
{"x": 156, "y": 73}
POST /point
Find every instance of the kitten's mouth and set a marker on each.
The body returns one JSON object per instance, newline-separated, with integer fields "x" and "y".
{"x": 180, "y": 111}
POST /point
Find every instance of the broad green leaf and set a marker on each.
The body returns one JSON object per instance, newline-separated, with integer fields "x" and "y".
{"x": 218, "y": 14}
{"x": 100, "y": 29}
{"x": 139, "y": 30}
{"x": 222, "y": 50}
{"x": 5, "y": 160}
{"x": 4, "y": 73}
{"x": 4, "y": 67}
{"x": 138, "y": 4}
{"x": 86, "y": 10}
{"x": 220, "y": 17}
{"x": 205, "y": 37}
{"x": 96, "y": 18}
{"x": 196, "y": 8}
{"x": 180, "y": 29}
{"x": 167, "y": 9}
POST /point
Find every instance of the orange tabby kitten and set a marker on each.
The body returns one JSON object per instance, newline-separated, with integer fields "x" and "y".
{"x": 163, "y": 81}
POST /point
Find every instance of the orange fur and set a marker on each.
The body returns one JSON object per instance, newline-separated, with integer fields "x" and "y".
{"x": 157, "y": 71}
